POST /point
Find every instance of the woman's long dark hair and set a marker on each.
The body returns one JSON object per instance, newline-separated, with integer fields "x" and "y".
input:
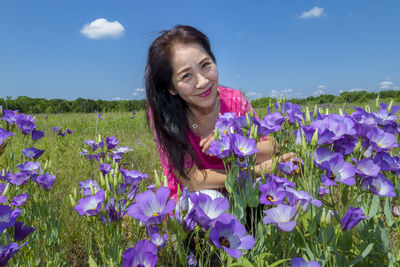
{"x": 169, "y": 112}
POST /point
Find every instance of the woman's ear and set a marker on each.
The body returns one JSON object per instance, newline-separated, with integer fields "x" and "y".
{"x": 172, "y": 91}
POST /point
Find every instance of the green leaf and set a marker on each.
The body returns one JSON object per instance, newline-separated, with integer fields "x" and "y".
{"x": 382, "y": 237}
{"x": 242, "y": 262}
{"x": 374, "y": 206}
{"x": 363, "y": 254}
{"x": 388, "y": 212}
{"x": 92, "y": 263}
{"x": 346, "y": 240}
{"x": 277, "y": 263}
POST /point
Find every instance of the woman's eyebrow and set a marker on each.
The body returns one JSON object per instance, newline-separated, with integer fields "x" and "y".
{"x": 204, "y": 59}
{"x": 182, "y": 70}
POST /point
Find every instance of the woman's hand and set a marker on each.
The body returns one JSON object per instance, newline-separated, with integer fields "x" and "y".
{"x": 267, "y": 165}
{"x": 206, "y": 142}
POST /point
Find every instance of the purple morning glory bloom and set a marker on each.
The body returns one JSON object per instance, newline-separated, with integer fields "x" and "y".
{"x": 18, "y": 178}
{"x": 37, "y": 135}
{"x": 303, "y": 197}
{"x": 87, "y": 187}
{"x": 133, "y": 191}
{"x": 367, "y": 168}
{"x": 122, "y": 149}
{"x": 8, "y": 216}
{"x": 243, "y": 147}
{"x": 352, "y": 217}
{"x": 282, "y": 182}
{"x": 25, "y": 123}
{"x": 383, "y": 117}
{"x": 56, "y": 129}
{"x": 229, "y": 234}
{"x": 46, "y": 181}
{"x": 300, "y": 262}
{"x": 29, "y": 167}
{"x": 208, "y": 209}
{"x": 69, "y": 131}
{"x": 224, "y": 127}
{"x": 21, "y": 231}
{"x": 386, "y": 162}
{"x": 271, "y": 193}
{"x": 133, "y": 176}
{"x": 271, "y": 123}
{"x": 114, "y": 212}
{"x": 19, "y": 200}
{"x": 105, "y": 168}
{"x": 159, "y": 239}
{"x": 281, "y": 216}
{"x": 381, "y": 140}
{"x": 151, "y": 208}
{"x": 32, "y": 152}
{"x": 3, "y": 199}
{"x": 90, "y": 205}
{"x": 144, "y": 253}
{"x": 4, "y": 135}
{"x": 287, "y": 167}
{"x": 8, "y": 251}
{"x": 10, "y": 117}
{"x": 345, "y": 145}
{"x": 380, "y": 186}
{"x": 99, "y": 116}
{"x": 116, "y": 156}
{"x": 191, "y": 260}
{"x": 339, "y": 171}
{"x": 111, "y": 142}
{"x": 220, "y": 148}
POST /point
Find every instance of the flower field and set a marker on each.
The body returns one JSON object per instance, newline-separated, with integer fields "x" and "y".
{"x": 88, "y": 190}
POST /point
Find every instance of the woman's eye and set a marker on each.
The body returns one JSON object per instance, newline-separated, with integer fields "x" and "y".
{"x": 185, "y": 76}
{"x": 205, "y": 64}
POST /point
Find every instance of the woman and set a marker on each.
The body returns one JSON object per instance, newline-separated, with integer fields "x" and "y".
{"x": 184, "y": 100}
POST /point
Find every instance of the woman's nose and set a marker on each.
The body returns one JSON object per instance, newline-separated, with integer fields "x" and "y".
{"x": 202, "y": 81}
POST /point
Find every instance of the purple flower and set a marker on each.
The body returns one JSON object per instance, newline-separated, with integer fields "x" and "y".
{"x": 224, "y": 127}
{"x": 220, "y": 148}
{"x": 4, "y": 135}
{"x": 37, "y": 135}
{"x": 87, "y": 187}
{"x": 29, "y": 167}
{"x": 345, "y": 145}
{"x": 339, "y": 171}
{"x": 271, "y": 123}
{"x": 21, "y": 231}
{"x": 25, "y": 123}
{"x": 144, "y": 253}
{"x": 159, "y": 239}
{"x": 381, "y": 140}
{"x": 229, "y": 235}
{"x": 133, "y": 176}
{"x": 352, "y": 217}
{"x": 287, "y": 167}
{"x": 46, "y": 181}
{"x": 19, "y": 200}
{"x": 323, "y": 191}
{"x": 191, "y": 260}
{"x": 300, "y": 262}
{"x": 271, "y": 193}
{"x": 69, "y": 131}
{"x": 99, "y": 116}
{"x": 114, "y": 212}
{"x": 10, "y": 116}
{"x": 281, "y": 216}
{"x": 105, "y": 168}
{"x": 151, "y": 208}
{"x": 208, "y": 209}
{"x": 380, "y": 186}
{"x": 32, "y": 152}
{"x": 367, "y": 168}
{"x": 122, "y": 149}
{"x": 17, "y": 178}
{"x": 322, "y": 156}
{"x": 386, "y": 162}
{"x": 303, "y": 197}
{"x": 117, "y": 157}
{"x": 242, "y": 146}
{"x": 111, "y": 142}
{"x": 282, "y": 182}
{"x": 8, "y": 251}
{"x": 90, "y": 205}
{"x": 8, "y": 217}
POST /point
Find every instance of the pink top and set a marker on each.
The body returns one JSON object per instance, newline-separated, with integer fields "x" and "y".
{"x": 231, "y": 101}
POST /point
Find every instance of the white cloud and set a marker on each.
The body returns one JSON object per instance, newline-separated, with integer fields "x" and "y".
{"x": 138, "y": 91}
{"x": 254, "y": 95}
{"x": 102, "y": 28}
{"x": 287, "y": 91}
{"x": 386, "y": 85}
{"x": 117, "y": 98}
{"x": 356, "y": 89}
{"x": 314, "y": 12}
{"x": 318, "y": 92}
{"x": 321, "y": 86}
{"x": 274, "y": 93}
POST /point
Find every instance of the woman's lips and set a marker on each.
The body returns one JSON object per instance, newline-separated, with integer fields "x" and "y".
{"x": 206, "y": 93}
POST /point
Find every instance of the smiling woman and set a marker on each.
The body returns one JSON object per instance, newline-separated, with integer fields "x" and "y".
{"x": 184, "y": 102}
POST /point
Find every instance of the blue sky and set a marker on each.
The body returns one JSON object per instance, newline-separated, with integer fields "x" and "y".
{"x": 51, "y": 49}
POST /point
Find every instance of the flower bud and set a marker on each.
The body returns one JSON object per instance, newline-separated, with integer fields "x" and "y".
{"x": 248, "y": 124}
{"x": 179, "y": 192}
{"x": 102, "y": 182}
{"x": 165, "y": 181}
{"x": 115, "y": 181}
{"x": 120, "y": 178}
{"x": 315, "y": 111}
{"x": 327, "y": 111}
{"x": 377, "y": 102}
{"x": 308, "y": 119}
{"x": 326, "y": 217}
{"x": 157, "y": 179}
{"x": 1, "y": 110}
{"x": 6, "y": 190}
{"x": 216, "y": 134}
{"x": 75, "y": 194}
{"x": 314, "y": 139}
{"x": 395, "y": 211}
{"x": 357, "y": 147}
{"x": 341, "y": 112}
{"x": 390, "y": 105}
{"x": 73, "y": 202}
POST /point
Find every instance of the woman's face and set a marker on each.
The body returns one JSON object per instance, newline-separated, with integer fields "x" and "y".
{"x": 195, "y": 77}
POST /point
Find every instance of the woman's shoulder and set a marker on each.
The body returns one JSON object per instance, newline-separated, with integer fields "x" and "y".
{"x": 232, "y": 100}
{"x": 229, "y": 92}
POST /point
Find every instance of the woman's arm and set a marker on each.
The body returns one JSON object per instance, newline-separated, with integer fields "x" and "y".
{"x": 203, "y": 179}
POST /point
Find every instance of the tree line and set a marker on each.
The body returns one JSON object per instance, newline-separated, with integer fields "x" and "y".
{"x": 343, "y": 98}
{"x": 30, "y": 105}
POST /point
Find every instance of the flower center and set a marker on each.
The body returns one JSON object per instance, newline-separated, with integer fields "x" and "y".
{"x": 155, "y": 214}
{"x": 224, "y": 242}
{"x": 270, "y": 198}
{"x": 379, "y": 144}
